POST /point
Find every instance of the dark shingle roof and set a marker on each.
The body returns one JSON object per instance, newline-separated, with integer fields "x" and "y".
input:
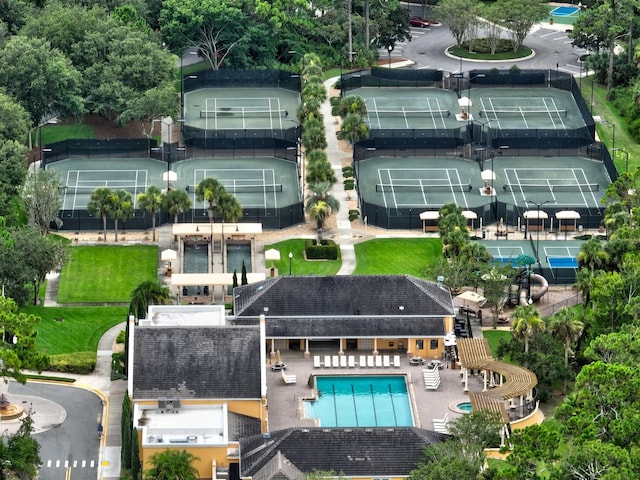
{"x": 219, "y": 362}
{"x": 380, "y": 452}
{"x": 343, "y": 295}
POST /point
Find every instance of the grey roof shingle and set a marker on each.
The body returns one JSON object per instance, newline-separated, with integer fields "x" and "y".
{"x": 221, "y": 362}
{"x": 379, "y": 452}
{"x": 341, "y": 295}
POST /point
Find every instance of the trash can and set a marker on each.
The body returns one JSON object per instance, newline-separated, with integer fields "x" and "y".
{"x": 484, "y": 234}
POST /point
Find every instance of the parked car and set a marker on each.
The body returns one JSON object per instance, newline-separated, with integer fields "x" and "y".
{"x": 418, "y": 22}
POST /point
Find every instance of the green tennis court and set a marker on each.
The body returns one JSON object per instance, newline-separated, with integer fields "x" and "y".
{"x": 520, "y": 108}
{"x": 256, "y": 182}
{"x": 241, "y": 108}
{"x": 424, "y": 108}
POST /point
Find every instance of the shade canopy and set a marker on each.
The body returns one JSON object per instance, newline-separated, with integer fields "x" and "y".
{"x": 567, "y": 215}
{"x": 464, "y": 102}
{"x": 272, "y": 255}
{"x": 430, "y": 215}
{"x": 536, "y": 214}
{"x": 170, "y": 176}
{"x": 168, "y": 255}
{"x": 470, "y": 297}
{"x": 469, "y": 215}
{"x": 487, "y": 175}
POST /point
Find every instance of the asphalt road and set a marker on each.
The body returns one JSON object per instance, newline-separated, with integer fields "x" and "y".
{"x": 551, "y": 45}
{"x": 67, "y": 433}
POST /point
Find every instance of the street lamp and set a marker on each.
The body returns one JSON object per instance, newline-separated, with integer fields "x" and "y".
{"x": 190, "y": 52}
{"x": 613, "y": 133}
{"x": 290, "y": 260}
{"x": 538, "y": 205}
{"x": 389, "y": 50}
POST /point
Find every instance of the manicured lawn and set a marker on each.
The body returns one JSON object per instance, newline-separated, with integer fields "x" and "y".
{"x": 77, "y": 329}
{"x": 106, "y": 273}
{"x": 299, "y": 266}
{"x": 57, "y": 133}
{"x": 494, "y": 337}
{"x": 390, "y": 256}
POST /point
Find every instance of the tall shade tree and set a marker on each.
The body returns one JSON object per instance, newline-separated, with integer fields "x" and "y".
{"x": 568, "y": 329}
{"x": 40, "y": 78}
{"x": 176, "y": 202}
{"x": 42, "y": 200}
{"x": 495, "y": 283}
{"x": 13, "y": 171}
{"x": 39, "y": 255}
{"x": 20, "y": 458}
{"x": 15, "y": 119}
{"x": 321, "y": 204}
{"x": 100, "y": 206}
{"x": 121, "y": 209}
{"x": 172, "y": 465}
{"x": 147, "y": 293}
{"x": 519, "y": 17}
{"x": 151, "y": 201}
{"x": 20, "y": 329}
{"x": 458, "y": 15}
{"x": 526, "y": 323}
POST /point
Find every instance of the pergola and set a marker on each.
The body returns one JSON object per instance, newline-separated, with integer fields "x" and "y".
{"x": 539, "y": 215}
{"x": 567, "y": 215}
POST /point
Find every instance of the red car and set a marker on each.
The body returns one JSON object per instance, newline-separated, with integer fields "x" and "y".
{"x": 418, "y": 22}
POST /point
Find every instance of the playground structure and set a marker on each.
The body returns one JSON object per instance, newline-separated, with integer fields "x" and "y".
{"x": 525, "y": 294}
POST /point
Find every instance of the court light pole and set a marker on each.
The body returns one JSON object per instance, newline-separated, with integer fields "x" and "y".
{"x": 290, "y": 262}
{"x": 538, "y": 206}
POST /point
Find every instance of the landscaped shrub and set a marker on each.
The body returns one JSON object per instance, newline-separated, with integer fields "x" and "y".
{"x": 327, "y": 250}
{"x": 353, "y": 214}
{"x": 78, "y": 362}
{"x": 121, "y": 336}
{"x": 347, "y": 172}
{"x": 349, "y": 184}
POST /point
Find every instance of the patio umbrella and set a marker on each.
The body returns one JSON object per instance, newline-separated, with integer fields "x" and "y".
{"x": 464, "y": 102}
{"x": 168, "y": 255}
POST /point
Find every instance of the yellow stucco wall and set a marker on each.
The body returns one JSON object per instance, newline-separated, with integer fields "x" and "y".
{"x": 206, "y": 457}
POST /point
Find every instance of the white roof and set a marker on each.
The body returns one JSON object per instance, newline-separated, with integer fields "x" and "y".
{"x": 184, "y": 229}
{"x": 470, "y": 297}
{"x": 196, "y": 279}
{"x": 567, "y": 215}
{"x": 469, "y": 215}
{"x": 537, "y": 214}
{"x": 430, "y": 215}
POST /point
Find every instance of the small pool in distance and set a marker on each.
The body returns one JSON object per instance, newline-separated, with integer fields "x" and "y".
{"x": 464, "y": 407}
{"x": 361, "y": 401}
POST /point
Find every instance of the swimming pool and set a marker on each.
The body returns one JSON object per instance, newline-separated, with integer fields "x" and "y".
{"x": 361, "y": 401}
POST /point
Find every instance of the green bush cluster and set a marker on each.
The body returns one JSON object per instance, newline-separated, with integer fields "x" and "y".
{"x": 78, "y": 362}
{"x": 326, "y": 250}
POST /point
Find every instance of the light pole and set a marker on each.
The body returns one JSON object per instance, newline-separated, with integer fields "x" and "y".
{"x": 626, "y": 157}
{"x": 190, "y": 52}
{"x": 290, "y": 260}
{"x": 389, "y": 50}
{"x": 538, "y": 205}
{"x": 613, "y": 133}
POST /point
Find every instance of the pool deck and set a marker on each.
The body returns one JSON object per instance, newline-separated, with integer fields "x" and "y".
{"x": 285, "y": 407}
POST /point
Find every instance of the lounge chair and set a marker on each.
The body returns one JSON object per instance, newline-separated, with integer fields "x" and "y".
{"x": 288, "y": 379}
{"x": 396, "y": 361}
{"x": 378, "y": 361}
{"x": 327, "y": 361}
{"x": 336, "y": 361}
{"x": 370, "y": 361}
{"x": 343, "y": 361}
{"x": 385, "y": 361}
{"x": 352, "y": 361}
{"x": 363, "y": 361}
{"x": 316, "y": 361}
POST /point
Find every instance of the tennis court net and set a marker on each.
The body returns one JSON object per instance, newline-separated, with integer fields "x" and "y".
{"x": 544, "y": 187}
{"x": 523, "y": 112}
{"x": 423, "y": 187}
{"x": 235, "y": 188}
{"x": 246, "y": 112}
{"x": 83, "y": 190}
{"x": 409, "y": 113}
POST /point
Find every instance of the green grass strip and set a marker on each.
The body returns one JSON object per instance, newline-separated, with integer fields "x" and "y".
{"x": 106, "y": 273}
{"x": 391, "y": 256}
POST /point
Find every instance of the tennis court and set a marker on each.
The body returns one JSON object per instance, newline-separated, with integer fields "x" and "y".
{"x": 241, "y": 108}
{"x": 256, "y": 182}
{"x": 419, "y": 108}
{"x": 420, "y": 182}
{"x": 519, "y": 108}
{"x": 579, "y": 183}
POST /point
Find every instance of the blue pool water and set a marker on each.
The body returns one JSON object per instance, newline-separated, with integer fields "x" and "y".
{"x": 564, "y": 11}
{"x": 464, "y": 406}
{"x": 361, "y": 401}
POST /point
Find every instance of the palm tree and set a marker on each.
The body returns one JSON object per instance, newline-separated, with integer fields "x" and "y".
{"x": 526, "y": 323}
{"x": 566, "y": 328}
{"x": 593, "y": 255}
{"x": 321, "y": 204}
{"x": 121, "y": 208}
{"x": 353, "y": 128}
{"x": 100, "y": 206}
{"x": 585, "y": 280}
{"x": 151, "y": 201}
{"x": 230, "y": 210}
{"x": 172, "y": 465}
{"x": 147, "y": 293}
{"x": 210, "y": 190}
{"x": 176, "y": 202}
{"x": 313, "y": 134}
{"x": 319, "y": 170}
